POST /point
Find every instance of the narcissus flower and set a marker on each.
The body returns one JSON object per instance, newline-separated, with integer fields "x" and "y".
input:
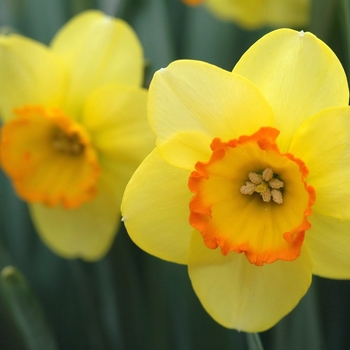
{"x": 252, "y": 14}
{"x": 75, "y": 128}
{"x": 247, "y": 183}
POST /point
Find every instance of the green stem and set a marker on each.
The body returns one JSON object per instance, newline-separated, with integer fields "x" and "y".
{"x": 254, "y": 342}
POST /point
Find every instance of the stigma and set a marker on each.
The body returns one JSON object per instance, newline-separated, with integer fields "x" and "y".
{"x": 266, "y": 184}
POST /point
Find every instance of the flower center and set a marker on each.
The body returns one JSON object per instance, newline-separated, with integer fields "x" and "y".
{"x": 67, "y": 144}
{"x": 266, "y": 184}
{"x": 49, "y": 157}
{"x": 249, "y": 198}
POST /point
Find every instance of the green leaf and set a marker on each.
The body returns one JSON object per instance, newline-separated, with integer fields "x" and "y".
{"x": 25, "y": 311}
{"x": 322, "y": 17}
{"x": 151, "y": 19}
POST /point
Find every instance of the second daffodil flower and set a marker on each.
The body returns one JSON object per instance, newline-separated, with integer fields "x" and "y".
{"x": 248, "y": 182}
{"x": 75, "y": 128}
{"x": 253, "y": 14}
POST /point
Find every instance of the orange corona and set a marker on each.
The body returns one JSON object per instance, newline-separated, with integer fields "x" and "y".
{"x": 49, "y": 157}
{"x": 250, "y": 198}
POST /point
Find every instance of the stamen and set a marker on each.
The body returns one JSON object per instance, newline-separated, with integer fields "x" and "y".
{"x": 266, "y": 195}
{"x": 275, "y": 183}
{"x": 255, "y": 178}
{"x": 266, "y": 184}
{"x": 67, "y": 144}
{"x": 267, "y": 174}
{"x": 249, "y": 188}
{"x": 277, "y": 196}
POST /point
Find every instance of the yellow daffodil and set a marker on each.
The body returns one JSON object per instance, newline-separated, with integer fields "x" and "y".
{"x": 252, "y": 14}
{"x": 247, "y": 184}
{"x": 75, "y": 128}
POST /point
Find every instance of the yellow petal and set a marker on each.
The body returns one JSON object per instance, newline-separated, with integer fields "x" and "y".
{"x": 193, "y": 96}
{"x": 252, "y": 14}
{"x": 29, "y": 74}
{"x": 86, "y": 232}
{"x": 98, "y": 50}
{"x": 185, "y": 149}
{"x": 328, "y": 241}
{"x": 155, "y": 209}
{"x": 323, "y": 143}
{"x": 299, "y": 76}
{"x": 240, "y": 295}
{"x": 116, "y": 119}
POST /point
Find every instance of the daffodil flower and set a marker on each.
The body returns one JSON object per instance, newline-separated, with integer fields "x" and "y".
{"x": 252, "y": 14}
{"x": 75, "y": 129}
{"x": 248, "y": 182}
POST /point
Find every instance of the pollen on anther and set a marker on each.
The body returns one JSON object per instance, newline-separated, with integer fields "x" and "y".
{"x": 266, "y": 195}
{"x": 255, "y": 178}
{"x": 266, "y": 184}
{"x": 275, "y": 183}
{"x": 267, "y": 174}
{"x": 248, "y": 188}
{"x": 277, "y": 196}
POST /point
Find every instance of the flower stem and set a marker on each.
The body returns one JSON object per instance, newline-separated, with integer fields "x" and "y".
{"x": 254, "y": 342}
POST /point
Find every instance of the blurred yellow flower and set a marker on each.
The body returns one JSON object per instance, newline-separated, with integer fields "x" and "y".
{"x": 75, "y": 128}
{"x": 246, "y": 184}
{"x": 252, "y": 14}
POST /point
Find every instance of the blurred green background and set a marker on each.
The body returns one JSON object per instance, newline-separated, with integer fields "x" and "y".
{"x": 131, "y": 300}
